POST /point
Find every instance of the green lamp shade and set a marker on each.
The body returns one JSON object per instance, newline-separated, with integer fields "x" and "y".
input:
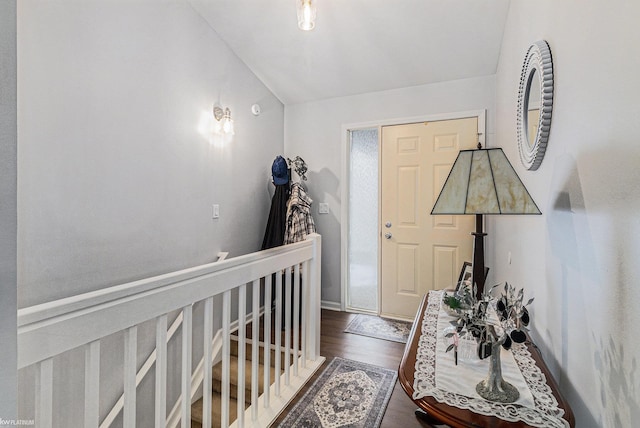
{"x": 483, "y": 181}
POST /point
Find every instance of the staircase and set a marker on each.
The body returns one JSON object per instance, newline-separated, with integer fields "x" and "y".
{"x": 197, "y": 407}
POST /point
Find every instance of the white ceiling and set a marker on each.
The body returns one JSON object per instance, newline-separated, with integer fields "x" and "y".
{"x": 360, "y": 46}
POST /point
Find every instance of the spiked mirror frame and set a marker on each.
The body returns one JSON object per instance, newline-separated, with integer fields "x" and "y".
{"x": 538, "y": 63}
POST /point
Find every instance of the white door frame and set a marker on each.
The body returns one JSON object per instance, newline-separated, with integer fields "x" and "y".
{"x": 345, "y": 173}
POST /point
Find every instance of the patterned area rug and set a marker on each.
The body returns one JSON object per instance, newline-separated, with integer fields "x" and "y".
{"x": 380, "y": 328}
{"x": 347, "y": 394}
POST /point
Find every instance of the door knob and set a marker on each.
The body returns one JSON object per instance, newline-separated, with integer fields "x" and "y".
{"x": 388, "y": 224}
{"x": 387, "y": 235}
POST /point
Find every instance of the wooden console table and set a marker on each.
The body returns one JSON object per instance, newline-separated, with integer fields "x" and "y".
{"x": 453, "y": 416}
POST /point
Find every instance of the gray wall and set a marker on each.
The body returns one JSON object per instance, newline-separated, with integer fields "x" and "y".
{"x": 8, "y": 218}
{"x": 579, "y": 259}
{"x": 314, "y": 131}
{"x": 116, "y": 179}
{"x": 116, "y": 182}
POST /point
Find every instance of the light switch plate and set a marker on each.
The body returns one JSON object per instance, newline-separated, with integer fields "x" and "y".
{"x": 216, "y": 211}
{"x": 323, "y": 208}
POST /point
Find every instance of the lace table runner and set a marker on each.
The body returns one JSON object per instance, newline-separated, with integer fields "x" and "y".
{"x": 536, "y": 406}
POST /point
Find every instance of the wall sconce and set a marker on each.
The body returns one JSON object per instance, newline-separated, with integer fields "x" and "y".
{"x": 306, "y": 14}
{"x": 225, "y": 123}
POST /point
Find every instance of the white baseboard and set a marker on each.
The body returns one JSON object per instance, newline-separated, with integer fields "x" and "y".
{"x": 331, "y": 306}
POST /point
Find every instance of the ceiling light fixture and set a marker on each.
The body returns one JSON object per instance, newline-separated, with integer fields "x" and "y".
{"x": 306, "y": 14}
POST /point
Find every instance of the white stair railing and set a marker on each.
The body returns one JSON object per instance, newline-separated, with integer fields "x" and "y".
{"x": 48, "y": 330}
{"x": 162, "y": 334}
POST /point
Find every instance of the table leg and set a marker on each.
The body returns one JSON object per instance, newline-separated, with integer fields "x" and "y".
{"x": 424, "y": 416}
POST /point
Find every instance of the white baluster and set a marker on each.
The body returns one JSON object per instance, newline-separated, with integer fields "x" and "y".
{"x": 161, "y": 371}
{"x": 207, "y": 358}
{"x": 305, "y": 311}
{"x": 92, "y": 384}
{"x": 313, "y": 328}
{"x": 267, "y": 340}
{"x": 296, "y": 318}
{"x": 130, "y": 353}
{"x": 226, "y": 357}
{"x": 255, "y": 348}
{"x": 242, "y": 344}
{"x": 44, "y": 393}
{"x": 187, "y": 321}
{"x": 287, "y": 327}
{"x": 278, "y": 323}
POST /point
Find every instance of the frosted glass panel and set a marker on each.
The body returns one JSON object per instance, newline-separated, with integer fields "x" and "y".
{"x": 363, "y": 221}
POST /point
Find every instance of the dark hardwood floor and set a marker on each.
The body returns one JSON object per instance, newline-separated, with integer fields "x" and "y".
{"x": 335, "y": 342}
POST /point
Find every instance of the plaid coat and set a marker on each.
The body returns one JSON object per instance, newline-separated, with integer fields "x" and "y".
{"x": 299, "y": 220}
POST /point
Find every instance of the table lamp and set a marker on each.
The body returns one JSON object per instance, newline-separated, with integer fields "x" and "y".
{"x": 481, "y": 182}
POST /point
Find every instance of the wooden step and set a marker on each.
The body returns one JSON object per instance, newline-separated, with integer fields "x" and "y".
{"x": 249, "y": 356}
{"x": 196, "y": 408}
{"x": 277, "y": 328}
{"x": 233, "y": 378}
{"x": 216, "y": 411}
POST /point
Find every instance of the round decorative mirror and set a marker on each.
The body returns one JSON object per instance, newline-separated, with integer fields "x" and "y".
{"x": 535, "y": 102}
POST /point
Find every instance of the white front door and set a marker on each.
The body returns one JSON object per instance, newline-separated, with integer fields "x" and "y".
{"x": 420, "y": 252}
